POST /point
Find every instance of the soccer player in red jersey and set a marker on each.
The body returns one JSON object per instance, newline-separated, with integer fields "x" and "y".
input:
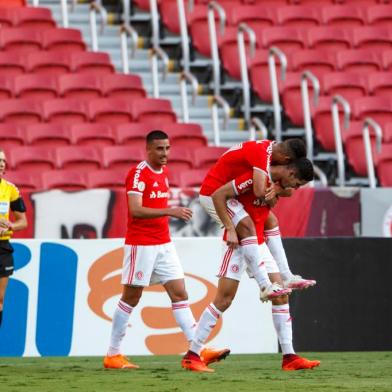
{"x": 233, "y": 265}
{"x": 149, "y": 254}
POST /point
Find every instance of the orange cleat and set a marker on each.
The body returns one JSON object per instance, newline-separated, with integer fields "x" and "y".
{"x": 118, "y": 362}
{"x": 192, "y": 361}
{"x": 211, "y": 355}
{"x": 295, "y": 362}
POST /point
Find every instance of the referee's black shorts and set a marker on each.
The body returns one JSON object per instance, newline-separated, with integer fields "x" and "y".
{"x": 6, "y": 259}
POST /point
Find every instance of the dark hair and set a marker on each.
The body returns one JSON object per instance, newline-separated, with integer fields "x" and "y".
{"x": 156, "y": 135}
{"x": 303, "y": 169}
{"x": 294, "y": 148}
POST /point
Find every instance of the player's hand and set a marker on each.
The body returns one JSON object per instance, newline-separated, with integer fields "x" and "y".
{"x": 4, "y": 223}
{"x": 182, "y": 213}
{"x": 270, "y": 193}
{"x": 232, "y": 238}
{"x": 4, "y": 231}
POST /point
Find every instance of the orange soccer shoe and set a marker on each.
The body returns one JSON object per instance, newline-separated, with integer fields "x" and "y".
{"x": 295, "y": 362}
{"x": 192, "y": 361}
{"x": 118, "y": 362}
{"x": 211, "y": 355}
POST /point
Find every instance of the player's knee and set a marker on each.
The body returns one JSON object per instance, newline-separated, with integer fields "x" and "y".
{"x": 245, "y": 228}
{"x": 223, "y": 302}
{"x": 132, "y": 299}
{"x": 179, "y": 296}
{"x": 283, "y": 300}
{"x": 271, "y": 221}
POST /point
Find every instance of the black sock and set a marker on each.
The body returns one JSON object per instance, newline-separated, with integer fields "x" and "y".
{"x": 1, "y": 316}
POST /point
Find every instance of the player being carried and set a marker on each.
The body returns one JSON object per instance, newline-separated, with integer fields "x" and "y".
{"x": 234, "y": 263}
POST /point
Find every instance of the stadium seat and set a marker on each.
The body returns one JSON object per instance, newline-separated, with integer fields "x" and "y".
{"x": 153, "y": 110}
{"x": 21, "y": 40}
{"x": 6, "y": 17}
{"x": 91, "y": 62}
{"x": 287, "y": 39}
{"x": 378, "y": 108}
{"x": 300, "y": 16}
{"x": 180, "y": 159}
{"x": 20, "y": 111}
{"x": 380, "y": 84}
{"x": 79, "y": 86}
{"x": 206, "y": 157}
{"x": 387, "y": 59}
{"x": 11, "y": 136}
{"x": 192, "y": 178}
{"x": 329, "y": 38}
{"x": 123, "y": 86}
{"x": 380, "y": 15}
{"x": 32, "y": 159}
{"x": 13, "y": 3}
{"x": 311, "y": 2}
{"x": 37, "y": 18}
{"x": 81, "y": 158}
{"x": 384, "y": 165}
{"x": 187, "y": 135}
{"x": 350, "y": 86}
{"x": 11, "y": 64}
{"x": 122, "y": 157}
{"x": 168, "y": 11}
{"x": 344, "y": 16}
{"x": 48, "y": 63}
{"x": 318, "y": 62}
{"x": 64, "y": 179}
{"x": 96, "y": 135}
{"x": 25, "y": 180}
{"x": 255, "y": 16}
{"x": 6, "y": 87}
{"x": 35, "y": 86}
{"x": 69, "y": 40}
{"x": 110, "y": 110}
{"x": 174, "y": 179}
{"x": 373, "y": 38}
{"x": 133, "y": 134}
{"x": 362, "y": 61}
{"x": 65, "y": 111}
{"x": 113, "y": 179}
{"x": 387, "y": 133}
{"x": 53, "y": 135}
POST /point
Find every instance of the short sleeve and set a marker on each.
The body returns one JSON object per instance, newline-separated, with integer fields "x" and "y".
{"x": 259, "y": 155}
{"x": 135, "y": 183}
{"x": 14, "y": 194}
{"x": 243, "y": 183}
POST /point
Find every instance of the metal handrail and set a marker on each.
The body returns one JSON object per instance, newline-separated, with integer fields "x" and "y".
{"x": 336, "y": 100}
{"x": 275, "y": 51}
{"x": 126, "y": 11}
{"x": 214, "y": 6}
{"x": 321, "y": 175}
{"x": 219, "y": 101}
{"x": 154, "y": 23}
{"x": 184, "y": 78}
{"x": 257, "y": 124}
{"x": 35, "y": 3}
{"x": 305, "y": 77}
{"x": 184, "y": 35}
{"x": 155, "y": 53}
{"x": 95, "y": 8}
{"x": 370, "y": 123}
{"x": 126, "y": 31}
{"x": 244, "y": 28}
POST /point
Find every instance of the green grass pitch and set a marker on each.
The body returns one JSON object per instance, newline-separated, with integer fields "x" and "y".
{"x": 338, "y": 372}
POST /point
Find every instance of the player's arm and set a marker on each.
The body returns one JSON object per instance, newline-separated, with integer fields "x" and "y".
{"x": 18, "y": 207}
{"x": 135, "y": 202}
{"x": 259, "y": 182}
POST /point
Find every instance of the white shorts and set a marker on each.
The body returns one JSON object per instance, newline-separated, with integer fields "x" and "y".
{"x": 233, "y": 262}
{"x": 145, "y": 265}
{"x": 235, "y": 209}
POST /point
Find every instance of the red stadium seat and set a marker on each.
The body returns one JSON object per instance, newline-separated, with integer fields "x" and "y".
{"x": 359, "y": 61}
{"x": 11, "y": 136}
{"x": 48, "y": 135}
{"x": 373, "y": 38}
{"x": 34, "y": 18}
{"x": 193, "y": 178}
{"x": 113, "y": 179}
{"x": 110, "y": 110}
{"x": 38, "y": 87}
{"x": 64, "y": 179}
{"x": 32, "y": 159}
{"x": 91, "y": 62}
{"x": 13, "y": 3}
{"x": 25, "y": 180}
{"x": 387, "y": 133}
{"x": 48, "y": 63}
{"x": 133, "y": 134}
{"x": 180, "y": 159}
{"x": 287, "y": 39}
{"x": 96, "y": 135}
{"x": 11, "y": 64}
{"x": 175, "y": 179}
{"x": 300, "y": 16}
{"x": 6, "y": 87}
{"x": 123, "y": 86}
{"x": 258, "y": 16}
{"x": 187, "y": 135}
{"x": 20, "y": 111}
{"x": 206, "y": 157}
{"x": 387, "y": 59}
{"x": 153, "y": 110}
{"x": 22, "y": 40}
{"x": 65, "y": 111}
{"x": 122, "y": 157}
{"x": 350, "y": 86}
{"x": 311, "y": 2}
{"x": 380, "y": 84}
{"x": 80, "y": 86}
{"x": 168, "y": 11}
{"x": 69, "y": 40}
{"x": 6, "y": 17}
{"x": 384, "y": 165}
{"x": 344, "y": 16}
{"x": 380, "y": 15}
{"x": 379, "y": 108}
{"x": 319, "y": 62}
{"x": 81, "y": 158}
{"x": 329, "y": 38}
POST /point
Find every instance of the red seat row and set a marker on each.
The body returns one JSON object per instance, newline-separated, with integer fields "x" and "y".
{"x": 32, "y": 17}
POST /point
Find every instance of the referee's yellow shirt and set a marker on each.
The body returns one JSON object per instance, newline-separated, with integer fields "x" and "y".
{"x": 8, "y": 193}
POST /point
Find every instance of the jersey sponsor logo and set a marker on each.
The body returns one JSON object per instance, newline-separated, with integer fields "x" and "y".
{"x": 136, "y": 179}
{"x": 141, "y": 186}
{"x": 4, "y": 207}
{"x": 245, "y": 184}
{"x": 159, "y": 195}
{"x": 387, "y": 223}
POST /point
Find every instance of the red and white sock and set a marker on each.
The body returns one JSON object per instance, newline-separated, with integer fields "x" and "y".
{"x": 207, "y": 322}
{"x": 184, "y": 317}
{"x": 253, "y": 257}
{"x": 275, "y": 245}
{"x": 282, "y": 323}
{"x": 119, "y": 327}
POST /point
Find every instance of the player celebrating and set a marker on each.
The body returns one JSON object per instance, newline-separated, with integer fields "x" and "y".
{"x": 149, "y": 254}
{"x": 233, "y": 265}
{"x": 10, "y": 200}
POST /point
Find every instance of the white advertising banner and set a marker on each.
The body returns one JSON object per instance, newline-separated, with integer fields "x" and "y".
{"x": 62, "y": 296}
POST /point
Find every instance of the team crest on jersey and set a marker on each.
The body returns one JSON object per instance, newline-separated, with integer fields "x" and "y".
{"x": 235, "y": 268}
{"x": 139, "y": 275}
{"x": 387, "y": 223}
{"x": 141, "y": 186}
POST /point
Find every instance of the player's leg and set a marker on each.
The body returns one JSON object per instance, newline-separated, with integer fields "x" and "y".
{"x": 275, "y": 245}
{"x": 6, "y": 270}
{"x": 3, "y": 286}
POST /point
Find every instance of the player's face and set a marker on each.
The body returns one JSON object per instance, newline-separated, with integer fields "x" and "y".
{"x": 158, "y": 152}
{"x": 291, "y": 181}
{"x": 3, "y": 162}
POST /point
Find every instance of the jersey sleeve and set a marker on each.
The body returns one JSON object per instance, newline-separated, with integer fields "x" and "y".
{"x": 259, "y": 155}
{"x": 135, "y": 183}
{"x": 243, "y": 183}
{"x": 16, "y": 201}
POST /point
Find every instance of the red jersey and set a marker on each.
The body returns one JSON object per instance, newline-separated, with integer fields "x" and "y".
{"x": 239, "y": 159}
{"x": 153, "y": 186}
